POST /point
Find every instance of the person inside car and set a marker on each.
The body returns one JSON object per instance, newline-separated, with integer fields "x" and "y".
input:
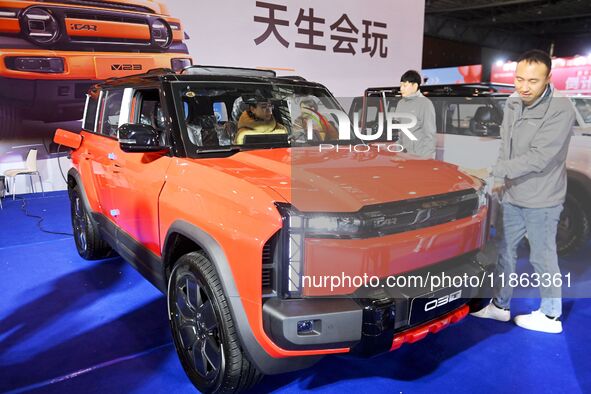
{"x": 257, "y": 119}
{"x": 322, "y": 128}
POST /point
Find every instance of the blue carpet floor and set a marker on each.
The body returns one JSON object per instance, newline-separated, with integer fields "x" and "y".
{"x": 68, "y": 326}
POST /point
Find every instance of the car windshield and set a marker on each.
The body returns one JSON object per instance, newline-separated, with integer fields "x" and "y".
{"x": 235, "y": 115}
{"x": 583, "y": 106}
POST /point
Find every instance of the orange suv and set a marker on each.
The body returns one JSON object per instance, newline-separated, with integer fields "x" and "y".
{"x": 51, "y": 52}
{"x": 274, "y": 249}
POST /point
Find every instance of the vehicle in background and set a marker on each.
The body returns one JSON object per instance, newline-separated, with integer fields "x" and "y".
{"x": 51, "y": 52}
{"x": 468, "y": 134}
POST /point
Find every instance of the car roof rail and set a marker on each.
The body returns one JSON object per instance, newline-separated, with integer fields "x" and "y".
{"x": 293, "y": 78}
{"x": 228, "y": 71}
{"x": 159, "y": 71}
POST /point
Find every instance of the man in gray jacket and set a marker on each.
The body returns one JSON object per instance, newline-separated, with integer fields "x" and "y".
{"x": 413, "y": 102}
{"x": 536, "y": 131}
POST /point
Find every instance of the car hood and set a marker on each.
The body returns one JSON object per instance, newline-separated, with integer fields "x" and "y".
{"x": 343, "y": 181}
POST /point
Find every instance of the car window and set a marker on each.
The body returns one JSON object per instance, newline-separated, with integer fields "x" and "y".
{"x": 149, "y": 109}
{"x": 472, "y": 117}
{"x": 255, "y": 115}
{"x": 89, "y": 122}
{"x": 111, "y": 111}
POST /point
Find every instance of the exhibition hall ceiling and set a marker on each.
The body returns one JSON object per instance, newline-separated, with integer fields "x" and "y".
{"x": 496, "y": 22}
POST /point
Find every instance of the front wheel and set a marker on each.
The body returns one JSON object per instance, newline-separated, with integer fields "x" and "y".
{"x": 203, "y": 330}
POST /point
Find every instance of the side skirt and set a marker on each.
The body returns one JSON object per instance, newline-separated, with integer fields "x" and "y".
{"x": 141, "y": 258}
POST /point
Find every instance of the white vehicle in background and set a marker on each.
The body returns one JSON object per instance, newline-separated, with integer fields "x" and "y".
{"x": 468, "y": 134}
{"x": 583, "y": 108}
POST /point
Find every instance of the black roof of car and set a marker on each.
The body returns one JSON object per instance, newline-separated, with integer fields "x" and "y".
{"x": 452, "y": 90}
{"x": 204, "y": 73}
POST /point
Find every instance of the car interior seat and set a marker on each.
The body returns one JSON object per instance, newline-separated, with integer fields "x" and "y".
{"x": 201, "y": 122}
{"x": 485, "y": 121}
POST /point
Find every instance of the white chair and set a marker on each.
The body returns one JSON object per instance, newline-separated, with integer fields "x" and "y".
{"x": 30, "y": 170}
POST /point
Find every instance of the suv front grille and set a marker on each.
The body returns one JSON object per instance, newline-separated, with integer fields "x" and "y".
{"x": 418, "y": 213}
{"x": 401, "y": 216}
{"x": 81, "y": 29}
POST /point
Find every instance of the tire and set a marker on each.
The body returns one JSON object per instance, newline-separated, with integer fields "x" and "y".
{"x": 89, "y": 242}
{"x": 200, "y": 319}
{"x": 574, "y": 227}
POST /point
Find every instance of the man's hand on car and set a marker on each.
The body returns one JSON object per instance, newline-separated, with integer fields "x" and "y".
{"x": 481, "y": 173}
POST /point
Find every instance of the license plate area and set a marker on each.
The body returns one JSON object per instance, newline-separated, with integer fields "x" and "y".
{"x": 439, "y": 302}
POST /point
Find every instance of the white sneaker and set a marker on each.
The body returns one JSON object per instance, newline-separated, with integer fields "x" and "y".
{"x": 491, "y": 311}
{"x": 537, "y": 321}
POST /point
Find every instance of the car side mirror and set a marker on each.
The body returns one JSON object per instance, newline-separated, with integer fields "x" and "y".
{"x": 140, "y": 138}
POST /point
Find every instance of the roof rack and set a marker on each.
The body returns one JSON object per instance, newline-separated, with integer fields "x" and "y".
{"x": 158, "y": 71}
{"x": 293, "y": 78}
{"x": 222, "y": 70}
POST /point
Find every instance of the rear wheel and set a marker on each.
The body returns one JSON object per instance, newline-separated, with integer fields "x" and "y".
{"x": 203, "y": 329}
{"x": 89, "y": 242}
{"x": 574, "y": 227}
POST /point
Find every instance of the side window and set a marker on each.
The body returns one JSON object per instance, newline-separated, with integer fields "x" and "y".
{"x": 89, "y": 122}
{"x": 111, "y": 111}
{"x": 148, "y": 109}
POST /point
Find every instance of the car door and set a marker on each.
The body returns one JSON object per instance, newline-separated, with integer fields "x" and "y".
{"x": 97, "y": 147}
{"x": 138, "y": 178}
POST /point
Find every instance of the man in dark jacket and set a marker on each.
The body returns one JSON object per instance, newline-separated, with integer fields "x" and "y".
{"x": 535, "y": 133}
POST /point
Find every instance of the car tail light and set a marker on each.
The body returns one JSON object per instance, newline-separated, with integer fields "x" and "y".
{"x": 35, "y": 64}
{"x": 180, "y": 63}
{"x": 161, "y": 33}
{"x": 40, "y": 25}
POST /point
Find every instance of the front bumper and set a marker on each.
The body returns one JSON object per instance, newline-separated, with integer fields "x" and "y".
{"x": 374, "y": 320}
{"x": 81, "y": 65}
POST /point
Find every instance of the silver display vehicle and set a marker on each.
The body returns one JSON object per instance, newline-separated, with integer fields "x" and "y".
{"x": 468, "y": 134}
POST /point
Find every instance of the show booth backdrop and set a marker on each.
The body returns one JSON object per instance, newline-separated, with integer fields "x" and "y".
{"x": 51, "y": 52}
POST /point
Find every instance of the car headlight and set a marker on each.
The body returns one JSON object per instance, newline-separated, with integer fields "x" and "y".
{"x": 179, "y": 64}
{"x": 35, "y": 64}
{"x": 40, "y": 25}
{"x": 483, "y": 194}
{"x": 298, "y": 226}
{"x": 161, "y": 33}
{"x": 484, "y": 200}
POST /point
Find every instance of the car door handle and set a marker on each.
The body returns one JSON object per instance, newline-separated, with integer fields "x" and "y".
{"x": 116, "y": 168}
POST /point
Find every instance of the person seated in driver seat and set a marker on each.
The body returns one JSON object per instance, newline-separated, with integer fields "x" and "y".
{"x": 257, "y": 119}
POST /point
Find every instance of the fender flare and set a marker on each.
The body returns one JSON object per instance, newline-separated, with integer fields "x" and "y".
{"x": 256, "y": 354}
{"x": 73, "y": 172}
